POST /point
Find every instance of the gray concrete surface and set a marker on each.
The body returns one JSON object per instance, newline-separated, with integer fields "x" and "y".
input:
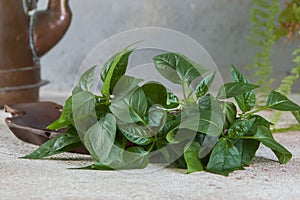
{"x": 52, "y": 178}
{"x": 222, "y": 27}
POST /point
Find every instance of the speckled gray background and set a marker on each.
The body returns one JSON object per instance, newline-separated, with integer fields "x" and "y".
{"x": 221, "y": 26}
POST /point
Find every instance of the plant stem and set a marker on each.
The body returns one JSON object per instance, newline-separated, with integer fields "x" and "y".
{"x": 256, "y": 111}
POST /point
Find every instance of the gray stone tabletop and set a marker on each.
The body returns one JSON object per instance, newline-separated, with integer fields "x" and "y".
{"x": 53, "y": 179}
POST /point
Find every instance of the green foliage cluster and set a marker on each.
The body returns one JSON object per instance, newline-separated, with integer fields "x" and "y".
{"x": 289, "y": 21}
{"x": 263, "y": 15}
{"x": 131, "y": 120}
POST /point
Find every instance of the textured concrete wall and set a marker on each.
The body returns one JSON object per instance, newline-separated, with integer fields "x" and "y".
{"x": 221, "y": 26}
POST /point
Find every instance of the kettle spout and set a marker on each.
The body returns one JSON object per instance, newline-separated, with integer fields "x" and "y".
{"x": 49, "y": 26}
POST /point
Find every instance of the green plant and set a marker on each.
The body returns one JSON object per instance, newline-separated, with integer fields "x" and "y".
{"x": 289, "y": 25}
{"x": 263, "y": 15}
{"x": 131, "y": 119}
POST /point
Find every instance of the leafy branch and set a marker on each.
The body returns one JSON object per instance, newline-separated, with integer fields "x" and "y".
{"x": 131, "y": 124}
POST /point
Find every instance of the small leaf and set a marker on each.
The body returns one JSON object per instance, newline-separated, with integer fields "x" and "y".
{"x": 113, "y": 70}
{"x": 278, "y": 101}
{"x": 260, "y": 121}
{"x": 235, "y": 89}
{"x": 138, "y": 105}
{"x": 240, "y": 128}
{"x": 65, "y": 119}
{"x": 100, "y": 138}
{"x": 264, "y": 135}
{"x": 229, "y": 110}
{"x": 204, "y": 85}
{"x": 156, "y": 93}
{"x": 172, "y": 101}
{"x": 63, "y": 143}
{"x": 247, "y": 149}
{"x": 225, "y": 158}
{"x": 139, "y": 135}
{"x": 178, "y": 68}
{"x": 86, "y": 81}
{"x": 191, "y": 157}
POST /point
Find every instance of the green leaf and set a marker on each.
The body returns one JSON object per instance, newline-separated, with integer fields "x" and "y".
{"x": 240, "y": 128}
{"x": 86, "y": 81}
{"x": 65, "y": 119}
{"x": 122, "y": 94}
{"x": 297, "y": 115}
{"x": 125, "y": 86}
{"x": 177, "y": 68}
{"x": 246, "y": 101}
{"x": 191, "y": 157}
{"x": 113, "y": 70}
{"x": 234, "y": 89}
{"x": 139, "y": 135}
{"x": 229, "y": 111}
{"x": 135, "y": 158}
{"x": 138, "y": 105}
{"x": 156, "y": 93}
{"x": 172, "y": 101}
{"x": 264, "y": 135}
{"x": 100, "y": 138}
{"x": 209, "y": 122}
{"x": 280, "y": 102}
{"x": 260, "y": 121}
{"x": 62, "y": 143}
{"x": 247, "y": 149}
{"x": 156, "y": 116}
{"x": 225, "y": 158}
{"x": 83, "y": 112}
{"x": 204, "y": 85}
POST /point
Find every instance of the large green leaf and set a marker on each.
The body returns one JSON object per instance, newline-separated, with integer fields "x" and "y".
{"x": 247, "y": 149}
{"x": 63, "y": 143}
{"x": 138, "y": 105}
{"x": 123, "y": 91}
{"x": 235, "y": 89}
{"x": 264, "y": 135}
{"x": 139, "y": 135}
{"x": 225, "y": 158}
{"x": 280, "y": 102}
{"x": 156, "y": 93}
{"x": 209, "y": 122}
{"x": 83, "y": 112}
{"x": 204, "y": 85}
{"x": 65, "y": 119}
{"x": 247, "y": 100}
{"x": 86, "y": 81}
{"x": 126, "y": 85}
{"x": 100, "y": 138}
{"x": 240, "y": 128}
{"x": 177, "y": 68}
{"x": 191, "y": 157}
{"x": 113, "y": 70}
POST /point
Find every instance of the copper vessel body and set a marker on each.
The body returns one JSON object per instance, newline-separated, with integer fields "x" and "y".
{"x": 26, "y": 35}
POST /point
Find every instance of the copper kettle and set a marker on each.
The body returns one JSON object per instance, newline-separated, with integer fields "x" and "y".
{"x": 25, "y": 35}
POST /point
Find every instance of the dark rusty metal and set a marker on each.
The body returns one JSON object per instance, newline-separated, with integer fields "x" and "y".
{"x": 25, "y": 35}
{"x": 29, "y": 122}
